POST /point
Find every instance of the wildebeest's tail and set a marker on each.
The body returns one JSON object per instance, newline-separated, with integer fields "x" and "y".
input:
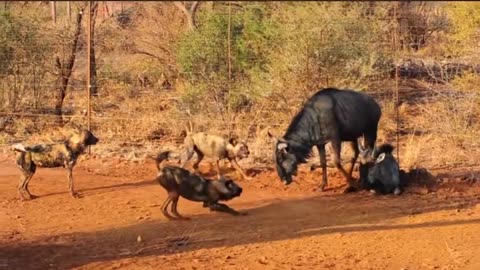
{"x": 385, "y": 148}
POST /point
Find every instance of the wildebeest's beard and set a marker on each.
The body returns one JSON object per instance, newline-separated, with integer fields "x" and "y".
{"x": 286, "y": 164}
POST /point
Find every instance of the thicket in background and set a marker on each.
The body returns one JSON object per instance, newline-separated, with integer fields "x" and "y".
{"x": 243, "y": 68}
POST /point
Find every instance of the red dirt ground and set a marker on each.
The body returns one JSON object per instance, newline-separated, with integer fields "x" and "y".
{"x": 434, "y": 225}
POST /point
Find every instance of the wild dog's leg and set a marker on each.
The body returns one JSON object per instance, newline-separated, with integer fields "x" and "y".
{"x": 337, "y": 147}
{"x": 74, "y": 194}
{"x": 187, "y": 155}
{"x": 217, "y": 163}
{"x": 21, "y": 185}
{"x": 33, "y": 168}
{"x": 220, "y": 207}
{"x": 238, "y": 168}
{"x": 323, "y": 163}
{"x": 199, "y": 159}
{"x": 354, "y": 146}
{"x": 165, "y": 206}
{"x": 174, "y": 207}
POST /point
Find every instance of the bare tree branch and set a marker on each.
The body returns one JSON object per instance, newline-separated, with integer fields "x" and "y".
{"x": 189, "y": 13}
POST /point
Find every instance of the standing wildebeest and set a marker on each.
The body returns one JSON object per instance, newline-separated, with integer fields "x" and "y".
{"x": 331, "y": 115}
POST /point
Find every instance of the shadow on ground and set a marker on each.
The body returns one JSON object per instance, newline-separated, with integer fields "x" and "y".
{"x": 278, "y": 220}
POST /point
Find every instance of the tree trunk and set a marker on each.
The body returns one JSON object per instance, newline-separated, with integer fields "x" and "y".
{"x": 65, "y": 71}
{"x": 54, "y": 11}
{"x": 189, "y": 12}
{"x": 93, "y": 63}
{"x": 69, "y": 12}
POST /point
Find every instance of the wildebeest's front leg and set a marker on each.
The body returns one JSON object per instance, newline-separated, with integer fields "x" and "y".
{"x": 337, "y": 148}
{"x": 323, "y": 164}
{"x": 356, "y": 152}
{"x": 220, "y": 207}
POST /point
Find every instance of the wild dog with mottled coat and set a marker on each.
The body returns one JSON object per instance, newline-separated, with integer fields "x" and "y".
{"x": 179, "y": 182}
{"x": 61, "y": 154}
{"x": 214, "y": 147}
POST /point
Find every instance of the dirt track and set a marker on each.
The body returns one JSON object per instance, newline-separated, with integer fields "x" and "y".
{"x": 287, "y": 227}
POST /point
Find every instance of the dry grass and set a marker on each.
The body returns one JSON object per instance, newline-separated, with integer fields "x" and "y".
{"x": 131, "y": 126}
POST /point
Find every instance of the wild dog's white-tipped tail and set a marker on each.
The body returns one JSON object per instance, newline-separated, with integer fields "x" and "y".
{"x": 165, "y": 155}
{"x": 19, "y": 147}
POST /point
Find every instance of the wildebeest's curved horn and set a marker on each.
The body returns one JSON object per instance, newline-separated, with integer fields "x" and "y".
{"x": 380, "y": 158}
{"x": 282, "y": 146}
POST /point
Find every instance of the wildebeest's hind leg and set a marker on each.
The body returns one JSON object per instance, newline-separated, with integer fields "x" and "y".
{"x": 356, "y": 152}
{"x": 174, "y": 206}
{"x": 337, "y": 148}
{"x": 323, "y": 164}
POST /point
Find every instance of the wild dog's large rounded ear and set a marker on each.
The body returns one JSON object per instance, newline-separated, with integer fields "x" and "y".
{"x": 233, "y": 141}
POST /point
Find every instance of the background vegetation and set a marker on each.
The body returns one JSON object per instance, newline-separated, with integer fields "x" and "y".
{"x": 240, "y": 69}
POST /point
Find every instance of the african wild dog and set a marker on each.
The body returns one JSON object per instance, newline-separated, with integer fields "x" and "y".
{"x": 61, "y": 154}
{"x": 179, "y": 182}
{"x": 215, "y": 147}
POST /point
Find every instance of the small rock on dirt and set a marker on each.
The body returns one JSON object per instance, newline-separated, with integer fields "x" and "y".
{"x": 263, "y": 260}
{"x": 139, "y": 239}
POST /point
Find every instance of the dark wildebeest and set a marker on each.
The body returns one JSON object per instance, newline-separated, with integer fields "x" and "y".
{"x": 379, "y": 170}
{"x": 179, "y": 182}
{"x": 331, "y": 115}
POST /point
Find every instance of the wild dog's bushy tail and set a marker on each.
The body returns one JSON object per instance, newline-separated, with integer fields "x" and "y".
{"x": 19, "y": 148}
{"x": 385, "y": 148}
{"x": 189, "y": 128}
{"x": 162, "y": 156}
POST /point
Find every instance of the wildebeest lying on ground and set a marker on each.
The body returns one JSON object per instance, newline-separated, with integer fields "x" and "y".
{"x": 379, "y": 170}
{"x": 215, "y": 147}
{"x": 330, "y": 115}
{"x": 62, "y": 154}
{"x": 180, "y": 182}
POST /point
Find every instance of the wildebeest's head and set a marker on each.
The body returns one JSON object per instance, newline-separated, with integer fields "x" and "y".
{"x": 366, "y": 155}
{"x": 285, "y": 160}
{"x": 234, "y": 189}
{"x": 240, "y": 148}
